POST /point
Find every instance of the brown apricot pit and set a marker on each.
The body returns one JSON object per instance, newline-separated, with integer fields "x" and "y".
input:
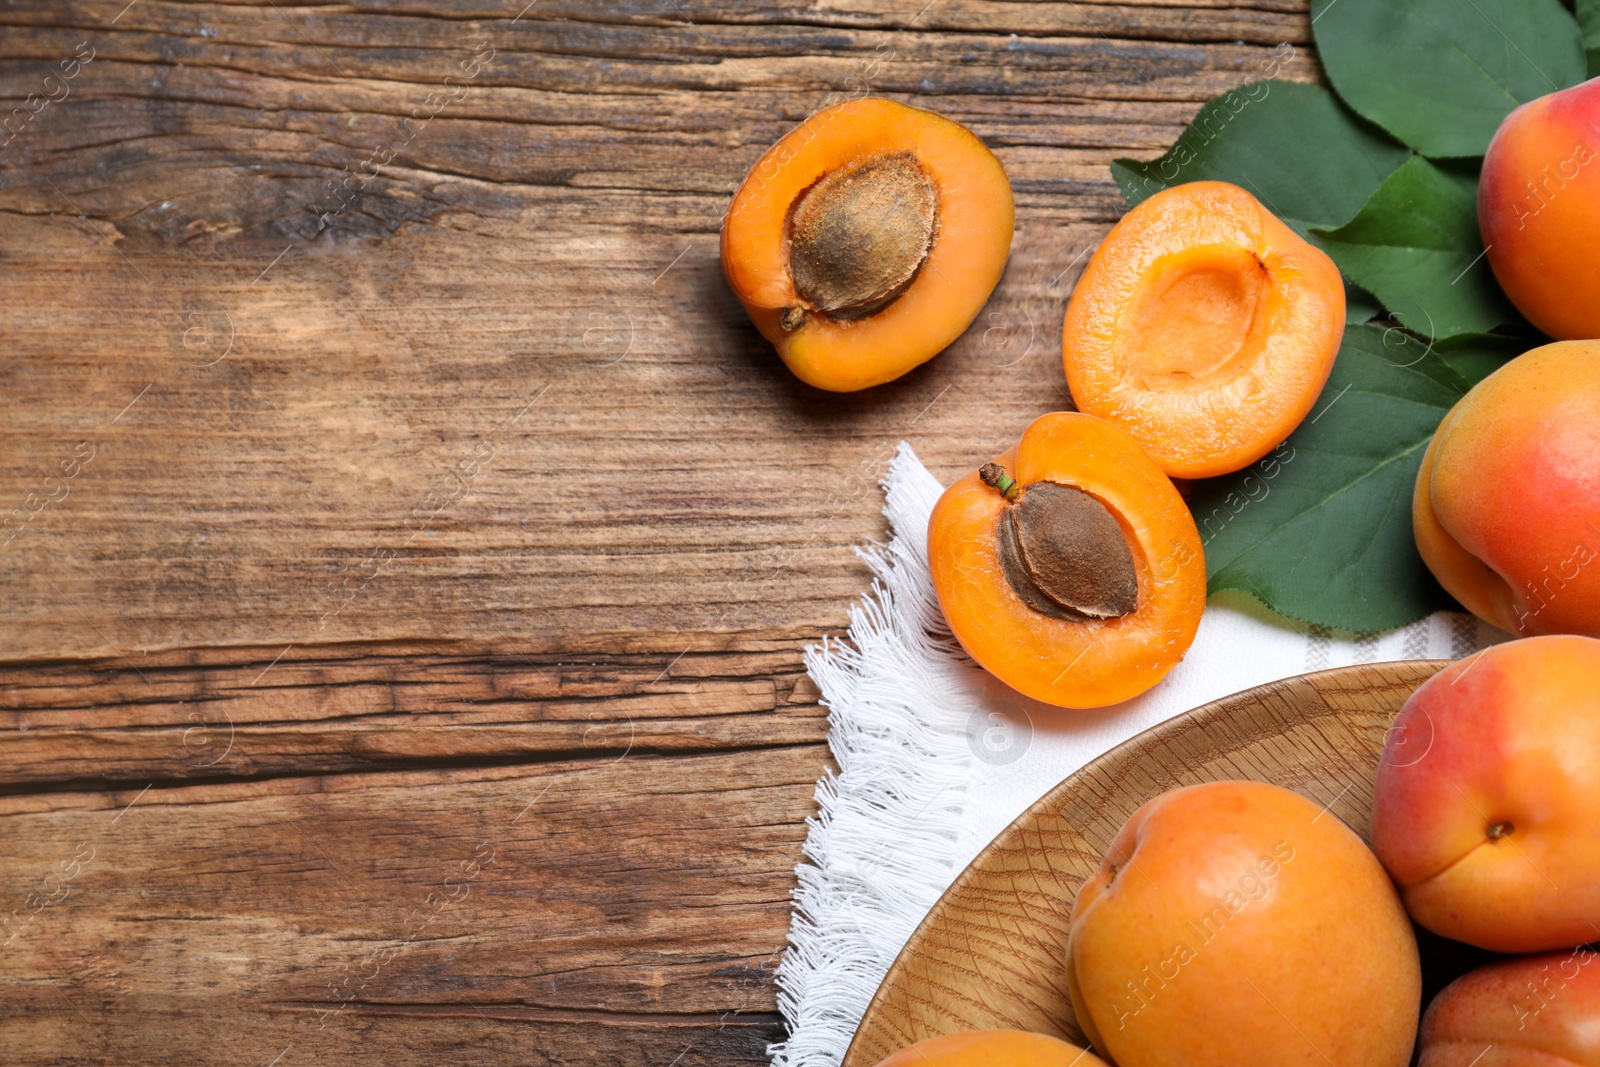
{"x": 858, "y": 237}
{"x": 1062, "y": 551}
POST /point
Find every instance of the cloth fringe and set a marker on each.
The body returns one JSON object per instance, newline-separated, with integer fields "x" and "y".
{"x": 898, "y": 735}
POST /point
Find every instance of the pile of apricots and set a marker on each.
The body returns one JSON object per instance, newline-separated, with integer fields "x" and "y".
{"x": 1196, "y": 341}
{"x": 1239, "y": 924}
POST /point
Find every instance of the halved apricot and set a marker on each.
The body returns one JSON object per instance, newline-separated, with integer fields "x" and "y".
{"x": 1070, "y": 568}
{"x": 1205, "y": 327}
{"x": 867, "y": 240}
{"x": 993, "y": 1048}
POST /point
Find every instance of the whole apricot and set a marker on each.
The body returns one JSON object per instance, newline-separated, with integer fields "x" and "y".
{"x": 1539, "y": 210}
{"x": 867, "y": 240}
{"x": 993, "y": 1048}
{"x": 1238, "y": 924}
{"x": 1536, "y": 1011}
{"x": 1487, "y": 799}
{"x": 1203, "y": 326}
{"x": 1069, "y": 568}
{"x": 1507, "y": 504}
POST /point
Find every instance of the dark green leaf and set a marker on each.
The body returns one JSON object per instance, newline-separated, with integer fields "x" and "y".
{"x": 1359, "y": 305}
{"x": 1589, "y": 21}
{"x": 1415, "y": 246}
{"x": 1321, "y": 529}
{"x": 1476, "y": 356}
{"x": 1442, "y": 74}
{"x": 1300, "y": 152}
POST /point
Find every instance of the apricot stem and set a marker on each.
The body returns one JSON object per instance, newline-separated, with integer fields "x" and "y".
{"x": 793, "y": 317}
{"x": 1500, "y": 830}
{"x": 996, "y": 478}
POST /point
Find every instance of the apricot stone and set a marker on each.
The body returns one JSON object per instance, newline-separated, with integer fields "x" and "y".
{"x": 993, "y": 1048}
{"x": 1237, "y": 923}
{"x": 1507, "y": 504}
{"x": 1539, "y": 210}
{"x": 1484, "y": 808}
{"x": 1536, "y": 1011}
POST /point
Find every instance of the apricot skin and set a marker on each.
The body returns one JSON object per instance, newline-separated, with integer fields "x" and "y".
{"x": 1238, "y": 923}
{"x": 993, "y": 1048}
{"x": 1072, "y": 664}
{"x": 1507, "y": 504}
{"x": 1536, "y": 1011}
{"x": 1507, "y": 738}
{"x": 1205, "y": 327}
{"x": 1539, "y": 210}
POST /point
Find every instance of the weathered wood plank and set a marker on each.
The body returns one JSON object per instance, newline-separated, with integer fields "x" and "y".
{"x": 554, "y": 912}
{"x": 297, "y": 712}
{"x": 362, "y": 463}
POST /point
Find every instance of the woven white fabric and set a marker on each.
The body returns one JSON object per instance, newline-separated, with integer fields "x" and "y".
{"x": 935, "y": 757}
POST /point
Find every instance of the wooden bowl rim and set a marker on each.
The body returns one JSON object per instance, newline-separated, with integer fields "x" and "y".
{"x": 1185, "y": 721}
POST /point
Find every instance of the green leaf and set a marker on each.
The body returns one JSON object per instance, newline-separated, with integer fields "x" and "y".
{"x": 1359, "y": 305}
{"x": 1476, "y": 356}
{"x": 1415, "y": 246}
{"x": 1295, "y": 147}
{"x": 1441, "y": 74}
{"x": 1589, "y": 22}
{"x": 1320, "y": 530}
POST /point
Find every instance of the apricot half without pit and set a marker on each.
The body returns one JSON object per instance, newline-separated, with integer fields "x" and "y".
{"x": 867, "y": 240}
{"x": 1205, "y": 327}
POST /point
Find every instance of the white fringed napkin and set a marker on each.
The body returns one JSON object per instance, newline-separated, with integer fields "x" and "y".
{"x": 936, "y": 757}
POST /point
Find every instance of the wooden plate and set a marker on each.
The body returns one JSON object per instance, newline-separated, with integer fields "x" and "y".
{"x": 992, "y": 952}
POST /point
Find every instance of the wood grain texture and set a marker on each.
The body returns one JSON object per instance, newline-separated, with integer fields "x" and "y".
{"x": 319, "y": 348}
{"x": 580, "y": 912}
{"x": 993, "y": 952}
{"x": 421, "y": 459}
{"x": 331, "y": 709}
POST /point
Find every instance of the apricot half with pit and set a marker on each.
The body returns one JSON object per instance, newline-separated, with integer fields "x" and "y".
{"x": 1069, "y": 567}
{"x": 1203, "y": 326}
{"x": 867, "y": 240}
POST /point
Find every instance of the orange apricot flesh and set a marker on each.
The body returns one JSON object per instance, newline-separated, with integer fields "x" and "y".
{"x": 867, "y": 240}
{"x": 1204, "y": 327}
{"x": 1072, "y": 662}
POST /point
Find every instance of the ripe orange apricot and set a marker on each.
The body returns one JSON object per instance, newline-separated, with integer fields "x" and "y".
{"x": 867, "y": 240}
{"x": 1237, "y": 923}
{"x": 1203, "y": 326}
{"x": 1069, "y": 568}
{"x": 1484, "y": 807}
{"x": 993, "y": 1048}
{"x": 1531, "y": 1011}
{"x": 1539, "y": 210}
{"x": 1506, "y": 510}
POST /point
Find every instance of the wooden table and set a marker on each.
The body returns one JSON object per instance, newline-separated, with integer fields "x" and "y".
{"x": 411, "y": 546}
